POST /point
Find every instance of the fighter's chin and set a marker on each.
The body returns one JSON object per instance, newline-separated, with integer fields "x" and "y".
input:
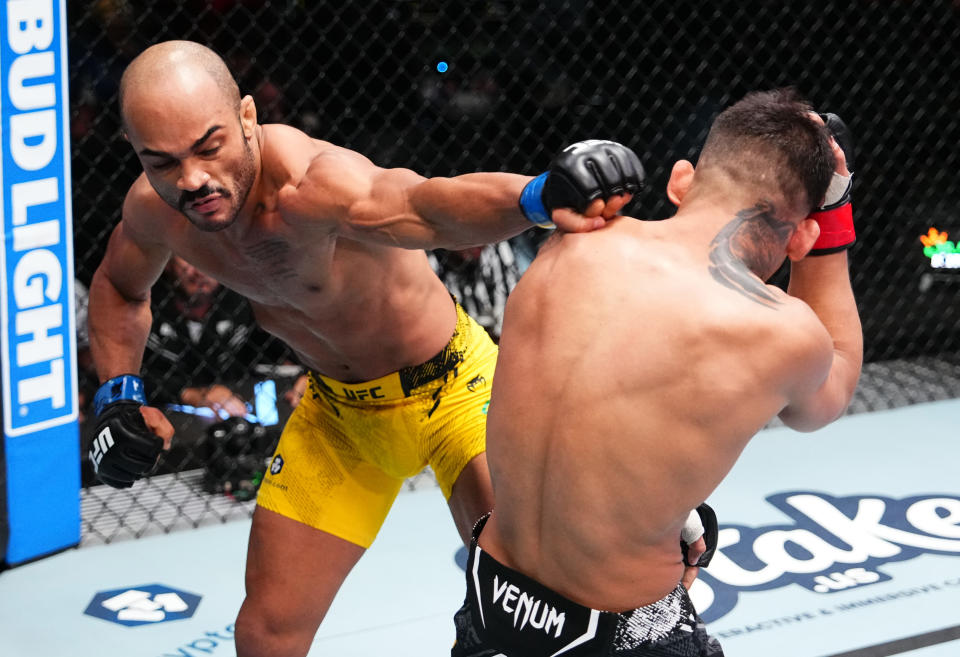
{"x": 211, "y": 224}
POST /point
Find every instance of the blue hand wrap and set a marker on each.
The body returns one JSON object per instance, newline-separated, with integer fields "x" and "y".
{"x": 531, "y": 202}
{"x": 125, "y": 386}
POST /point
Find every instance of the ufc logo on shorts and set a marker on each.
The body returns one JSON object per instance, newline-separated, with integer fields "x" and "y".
{"x": 99, "y": 447}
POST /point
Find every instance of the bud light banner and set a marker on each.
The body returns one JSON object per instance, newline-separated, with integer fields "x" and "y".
{"x": 38, "y": 333}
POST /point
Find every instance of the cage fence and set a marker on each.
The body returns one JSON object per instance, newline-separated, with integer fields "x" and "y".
{"x": 446, "y": 87}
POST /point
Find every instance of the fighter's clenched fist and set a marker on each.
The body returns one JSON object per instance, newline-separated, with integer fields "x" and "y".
{"x": 593, "y": 179}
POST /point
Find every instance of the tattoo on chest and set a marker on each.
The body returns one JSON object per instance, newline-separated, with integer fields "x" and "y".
{"x": 274, "y": 256}
{"x": 752, "y": 242}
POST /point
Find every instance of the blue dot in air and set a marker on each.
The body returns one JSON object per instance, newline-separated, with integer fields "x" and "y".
{"x": 442, "y": 67}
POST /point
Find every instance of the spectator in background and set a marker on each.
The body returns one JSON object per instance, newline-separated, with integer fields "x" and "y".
{"x": 200, "y": 345}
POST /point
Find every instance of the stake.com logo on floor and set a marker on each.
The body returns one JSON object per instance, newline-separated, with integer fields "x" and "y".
{"x": 834, "y": 544}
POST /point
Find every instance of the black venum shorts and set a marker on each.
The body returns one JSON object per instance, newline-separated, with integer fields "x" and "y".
{"x": 509, "y": 614}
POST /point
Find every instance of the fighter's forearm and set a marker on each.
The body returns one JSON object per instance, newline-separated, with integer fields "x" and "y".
{"x": 823, "y": 283}
{"x": 593, "y": 177}
{"x": 398, "y": 207}
{"x": 118, "y": 327}
{"x": 472, "y": 209}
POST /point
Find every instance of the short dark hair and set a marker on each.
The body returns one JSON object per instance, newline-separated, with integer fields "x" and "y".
{"x": 772, "y": 132}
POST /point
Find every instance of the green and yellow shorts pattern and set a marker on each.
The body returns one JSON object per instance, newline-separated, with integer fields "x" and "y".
{"x": 348, "y": 447}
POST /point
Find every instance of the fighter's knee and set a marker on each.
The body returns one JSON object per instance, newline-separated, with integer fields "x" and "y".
{"x": 258, "y": 634}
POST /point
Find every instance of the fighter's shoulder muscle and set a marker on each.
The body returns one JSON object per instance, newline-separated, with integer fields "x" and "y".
{"x": 144, "y": 213}
{"x": 289, "y": 154}
{"x": 139, "y": 245}
{"x": 320, "y": 183}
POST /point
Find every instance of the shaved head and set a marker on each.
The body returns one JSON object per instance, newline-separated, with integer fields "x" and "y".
{"x": 195, "y": 137}
{"x": 178, "y": 66}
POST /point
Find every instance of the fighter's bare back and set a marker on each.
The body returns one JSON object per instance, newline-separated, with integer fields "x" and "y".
{"x": 660, "y": 357}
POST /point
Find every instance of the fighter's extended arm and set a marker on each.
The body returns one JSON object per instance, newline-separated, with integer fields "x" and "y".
{"x": 822, "y": 280}
{"x": 397, "y": 207}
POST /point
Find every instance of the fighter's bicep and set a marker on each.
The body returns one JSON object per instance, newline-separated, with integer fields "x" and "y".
{"x": 388, "y": 214}
{"x": 378, "y": 202}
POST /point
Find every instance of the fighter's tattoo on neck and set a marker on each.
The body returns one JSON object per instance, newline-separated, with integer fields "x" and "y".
{"x": 747, "y": 248}
{"x": 273, "y": 254}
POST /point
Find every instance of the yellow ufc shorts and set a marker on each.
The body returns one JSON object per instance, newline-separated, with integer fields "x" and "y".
{"x": 348, "y": 447}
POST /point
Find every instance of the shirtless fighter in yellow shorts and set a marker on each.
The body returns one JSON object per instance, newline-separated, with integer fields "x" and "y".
{"x": 328, "y": 248}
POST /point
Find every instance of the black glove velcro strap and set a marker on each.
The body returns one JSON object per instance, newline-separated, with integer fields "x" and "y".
{"x": 711, "y": 535}
{"x": 123, "y": 449}
{"x": 589, "y": 170}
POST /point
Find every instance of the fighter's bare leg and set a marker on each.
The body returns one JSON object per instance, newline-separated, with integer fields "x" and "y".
{"x": 471, "y": 496}
{"x": 293, "y": 573}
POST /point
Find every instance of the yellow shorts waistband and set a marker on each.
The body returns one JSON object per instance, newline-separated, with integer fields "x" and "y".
{"x": 386, "y": 387}
{"x": 397, "y": 385}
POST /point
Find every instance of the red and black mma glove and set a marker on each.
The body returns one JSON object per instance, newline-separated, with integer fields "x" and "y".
{"x": 123, "y": 449}
{"x": 580, "y": 174}
{"x": 702, "y": 521}
{"x": 835, "y": 216}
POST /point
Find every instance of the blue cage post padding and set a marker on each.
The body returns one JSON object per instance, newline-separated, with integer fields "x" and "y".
{"x": 41, "y": 471}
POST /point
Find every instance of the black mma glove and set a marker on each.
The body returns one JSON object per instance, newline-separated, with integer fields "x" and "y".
{"x": 581, "y": 173}
{"x": 835, "y": 216}
{"x": 702, "y": 522}
{"x": 123, "y": 449}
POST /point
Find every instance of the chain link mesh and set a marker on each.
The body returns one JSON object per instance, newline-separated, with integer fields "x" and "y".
{"x": 522, "y": 80}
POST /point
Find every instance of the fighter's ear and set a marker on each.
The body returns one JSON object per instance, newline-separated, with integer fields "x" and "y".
{"x": 248, "y": 116}
{"x": 681, "y": 178}
{"x": 803, "y": 239}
